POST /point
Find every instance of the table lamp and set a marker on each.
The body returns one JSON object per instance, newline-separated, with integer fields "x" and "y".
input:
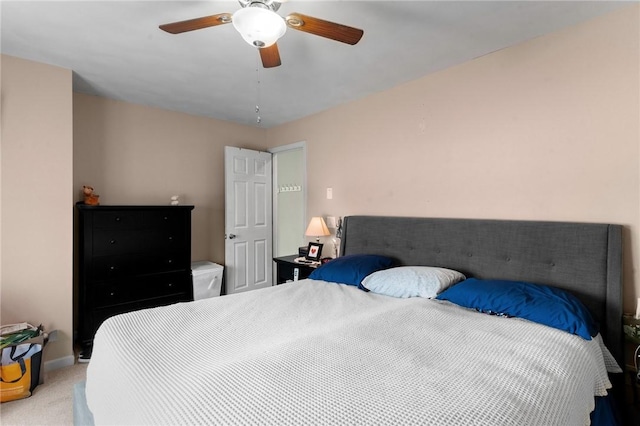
{"x": 317, "y": 228}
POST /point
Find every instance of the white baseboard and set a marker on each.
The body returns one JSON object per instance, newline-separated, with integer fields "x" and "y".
{"x": 54, "y": 364}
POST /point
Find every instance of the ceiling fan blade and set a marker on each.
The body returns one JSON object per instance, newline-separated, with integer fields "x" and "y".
{"x": 322, "y": 28}
{"x": 197, "y": 23}
{"x": 270, "y": 56}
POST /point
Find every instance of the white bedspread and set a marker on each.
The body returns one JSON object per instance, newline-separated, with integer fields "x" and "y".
{"x": 319, "y": 353}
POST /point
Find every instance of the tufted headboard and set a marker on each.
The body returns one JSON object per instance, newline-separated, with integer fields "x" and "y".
{"x": 583, "y": 258}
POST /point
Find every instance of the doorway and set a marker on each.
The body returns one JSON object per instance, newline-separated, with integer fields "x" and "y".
{"x": 289, "y": 197}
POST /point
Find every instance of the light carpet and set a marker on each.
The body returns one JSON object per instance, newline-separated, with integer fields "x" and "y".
{"x": 51, "y": 402}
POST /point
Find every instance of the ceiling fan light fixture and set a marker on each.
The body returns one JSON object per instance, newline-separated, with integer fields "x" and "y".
{"x": 259, "y": 26}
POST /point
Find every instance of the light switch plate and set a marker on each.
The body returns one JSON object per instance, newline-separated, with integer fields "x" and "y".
{"x": 331, "y": 222}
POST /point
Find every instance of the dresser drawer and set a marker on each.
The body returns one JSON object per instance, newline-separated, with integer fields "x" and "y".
{"x": 166, "y": 240}
{"x": 166, "y": 219}
{"x": 116, "y": 219}
{"x": 176, "y": 285}
{"x": 114, "y": 293}
{"x": 116, "y": 266}
{"x": 110, "y": 267}
{"x": 149, "y": 287}
{"x": 108, "y": 241}
{"x": 168, "y": 261}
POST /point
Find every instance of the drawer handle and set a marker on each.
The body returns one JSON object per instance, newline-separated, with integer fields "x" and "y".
{"x": 170, "y": 261}
{"x": 113, "y": 293}
{"x": 112, "y": 268}
{"x": 170, "y": 238}
{"x": 117, "y": 218}
{"x": 112, "y": 241}
{"x": 170, "y": 285}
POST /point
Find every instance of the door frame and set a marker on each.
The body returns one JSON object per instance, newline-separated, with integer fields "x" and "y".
{"x": 274, "y": 193}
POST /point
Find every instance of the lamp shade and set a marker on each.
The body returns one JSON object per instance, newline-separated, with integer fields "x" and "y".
{"x": 258, "y": 26}
{"x": 317, "y": 228}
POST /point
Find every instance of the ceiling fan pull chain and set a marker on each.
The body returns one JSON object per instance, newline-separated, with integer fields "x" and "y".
{"x": 258, "y": 119}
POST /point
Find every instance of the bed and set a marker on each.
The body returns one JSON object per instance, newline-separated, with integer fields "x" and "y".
{"x": 319, "y": 352}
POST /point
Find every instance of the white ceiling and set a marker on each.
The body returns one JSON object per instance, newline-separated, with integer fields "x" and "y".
{"x": 116, "y": 50}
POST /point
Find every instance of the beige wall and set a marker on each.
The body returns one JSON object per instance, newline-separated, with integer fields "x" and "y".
{"x": 131, "y": 154}
{"x": 546, "y": 130}
{"x": 36, "y": 176}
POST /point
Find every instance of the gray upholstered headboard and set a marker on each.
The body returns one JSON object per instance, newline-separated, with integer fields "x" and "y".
{"x": 583, "y": 258}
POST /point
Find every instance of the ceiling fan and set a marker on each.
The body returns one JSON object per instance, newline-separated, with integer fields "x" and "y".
{"x": 261, "y": 26}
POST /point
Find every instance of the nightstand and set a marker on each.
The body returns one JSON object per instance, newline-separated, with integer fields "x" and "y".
{"x": 286, "y": 268}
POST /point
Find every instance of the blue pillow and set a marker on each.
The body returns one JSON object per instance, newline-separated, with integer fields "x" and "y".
{"x": 539, "y": 303}
{"x": 351, "y": 269}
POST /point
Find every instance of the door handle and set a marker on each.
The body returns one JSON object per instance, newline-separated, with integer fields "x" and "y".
{"x": 232, "y": 236}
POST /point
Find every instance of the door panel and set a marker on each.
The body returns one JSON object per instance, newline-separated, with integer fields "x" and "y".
{"x": 241, "y": 205}
{"x": 260, "y": 193}
{"x": 261, "y": 262}
{"x": 240, "y": 257}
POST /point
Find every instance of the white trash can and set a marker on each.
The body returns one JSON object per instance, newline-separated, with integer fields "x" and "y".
{"x": 207, "y": 279}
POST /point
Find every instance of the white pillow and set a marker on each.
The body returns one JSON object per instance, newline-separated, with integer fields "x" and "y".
{"x": 412, "y": 281}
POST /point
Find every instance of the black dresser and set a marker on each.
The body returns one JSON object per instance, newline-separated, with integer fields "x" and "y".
{"x": 130, "y": 258}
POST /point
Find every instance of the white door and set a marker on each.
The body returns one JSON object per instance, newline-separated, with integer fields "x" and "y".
{"x": 248, "y": 220}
